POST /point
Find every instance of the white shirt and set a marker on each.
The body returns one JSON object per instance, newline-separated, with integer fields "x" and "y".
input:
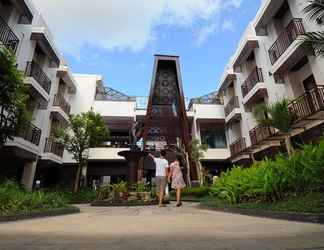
{"x": 161, "y": 165}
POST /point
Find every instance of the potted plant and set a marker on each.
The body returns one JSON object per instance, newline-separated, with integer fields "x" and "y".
{"x": 142, "y": 188}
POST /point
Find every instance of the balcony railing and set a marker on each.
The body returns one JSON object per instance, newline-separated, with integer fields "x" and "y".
{"x": 35, "y": 71}
{"x": 51, "y": 146}
{"x": 309, "y": 103}
{"x": 31, "y": 133}
{"x": 261, "y": 133}
{"x": 294, "y": 29}
{"x": 7, "y": 37}
{"x": 59, "y": 101}
{"x": 238, "y": 146}
{"x": 117, "y": 142}
{"x": 255, "y": 77}
{"x": 231, "y": 105}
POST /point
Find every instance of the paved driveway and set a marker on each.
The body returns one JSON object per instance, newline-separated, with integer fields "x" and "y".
{"x": 159, "y": 228}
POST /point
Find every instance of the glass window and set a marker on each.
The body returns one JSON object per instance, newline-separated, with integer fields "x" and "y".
{"x": 214, "y": 137}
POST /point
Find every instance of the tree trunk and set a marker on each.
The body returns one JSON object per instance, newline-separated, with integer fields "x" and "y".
{"x": 200, "y": 173}
{"x": 188, "y": 171}
{"x": 77, "y": 179}
{"x": 289, "y": 147}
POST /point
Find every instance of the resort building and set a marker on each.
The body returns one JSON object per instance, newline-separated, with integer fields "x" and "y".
{"x": 268, "y": 66}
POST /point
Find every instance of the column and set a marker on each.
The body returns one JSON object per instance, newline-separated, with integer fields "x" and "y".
{"x": 28, "y": 175}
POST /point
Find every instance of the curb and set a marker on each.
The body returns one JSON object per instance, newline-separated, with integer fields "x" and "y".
{"x": 290, "y": 216}
{"x": 34, "y": 215}
{"x": 133, "y": 204}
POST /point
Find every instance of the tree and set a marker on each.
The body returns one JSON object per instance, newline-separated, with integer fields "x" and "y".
{"x": 13, "y": 97}
{"x": 197, "y": 153}
{"x": 277, "y": 116}
{"x": 314, "y": 41}
{"x": 85, "y": 131}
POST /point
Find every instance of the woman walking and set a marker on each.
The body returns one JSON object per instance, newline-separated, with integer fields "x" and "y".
{"x": 177, "y": 181}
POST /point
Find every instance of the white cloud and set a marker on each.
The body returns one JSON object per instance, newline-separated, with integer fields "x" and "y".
{"x": 228, "y": 25}
{"x": 205, "y": 32}
{"x": 124, "y": 24}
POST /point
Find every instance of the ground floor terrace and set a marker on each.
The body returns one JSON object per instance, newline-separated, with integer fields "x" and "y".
{"x": 159, "y": 228}
{"x": 110, "y": 171}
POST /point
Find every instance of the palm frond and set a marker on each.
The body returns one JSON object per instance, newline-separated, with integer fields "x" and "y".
{"x": 315, "y": 9}
{"x": 261, "y": 114}
{"x": 276, "y": 115}
{"x": 313, "y": 41}
{"x": 280, "y": 116}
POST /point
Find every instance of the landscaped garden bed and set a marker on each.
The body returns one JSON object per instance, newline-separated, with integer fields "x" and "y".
{"x": 307, "y": 208}
{"x": 121, "y": 194}
{"x": 287, "y": 187}
{"x": 17, "y": 204}
{"x": 39, "y": 214}
{"x": 85, "y": 195}
{"x": 194, "y": 194}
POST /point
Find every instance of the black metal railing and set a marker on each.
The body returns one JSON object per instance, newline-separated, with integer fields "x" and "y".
{"x": 255, "y": 77}
{"x": 117, "y": 142}
{"x": 238, "y": 146}
{"x": 60, "y": 101}
{"x": 35, "y": 71}
{"x": 30, "y": 132}
{"x": 308, "y": 104}
{"x": 7, "y": 37}
{"x": 231, "y": 105}
{"x": 261, "y": 133}
{"x": 52, "y": 146}
{"x": 294, "y": 29}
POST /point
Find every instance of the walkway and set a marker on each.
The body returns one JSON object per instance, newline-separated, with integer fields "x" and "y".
{"x": 159, "y": 228}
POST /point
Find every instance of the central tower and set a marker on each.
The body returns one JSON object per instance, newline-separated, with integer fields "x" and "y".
{"x": 166, "y": 124}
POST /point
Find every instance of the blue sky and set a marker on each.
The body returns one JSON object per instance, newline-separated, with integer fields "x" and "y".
{"x": 118, "y": 38}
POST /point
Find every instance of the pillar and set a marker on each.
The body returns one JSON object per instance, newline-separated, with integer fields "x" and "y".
{"x": 28, "y": 175}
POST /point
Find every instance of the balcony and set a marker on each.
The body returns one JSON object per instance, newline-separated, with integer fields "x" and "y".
{"x": 255, "y": 77}
{"x": 7, "y": 37}
{"x": 232, "y": 110}
{"x": 51, "y": 146}
{"x": 231, "y": 105}
{"x": 238, "y": 146}
{"x": 309, "y": 104}
{"x": 253, "y": 88}
{"x": 117, "y": 142}
{"x": 35, "y": 71}
{"x": 261, "y": 133}
{"x": 30, "y": 133}
{"x": 59, "y": 101}
{"x": 294, "y": 29}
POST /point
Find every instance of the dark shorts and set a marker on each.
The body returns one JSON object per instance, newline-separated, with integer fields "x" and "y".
{"x": 160, "y": 182}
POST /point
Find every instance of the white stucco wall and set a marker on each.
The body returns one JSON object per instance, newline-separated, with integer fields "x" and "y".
{"x": 115, "y": 109}
{"x": 208, "y": 111}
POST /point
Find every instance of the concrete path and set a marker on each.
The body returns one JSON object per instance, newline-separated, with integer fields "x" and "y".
{"x": 159, "y": 228}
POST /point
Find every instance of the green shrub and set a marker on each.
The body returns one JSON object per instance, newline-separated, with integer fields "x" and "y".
{"x": 273, "y": 180}
{"x": 14, "y": 200}
{"x": 85, "y": 195}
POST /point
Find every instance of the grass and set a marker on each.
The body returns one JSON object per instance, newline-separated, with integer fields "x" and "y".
{"x": 309, "y": 203}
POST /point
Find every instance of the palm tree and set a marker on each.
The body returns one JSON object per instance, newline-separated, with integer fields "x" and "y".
{"x": 277, "y": 116}
{"x": 197, "y": 153}
{"x": 314, "y": 41}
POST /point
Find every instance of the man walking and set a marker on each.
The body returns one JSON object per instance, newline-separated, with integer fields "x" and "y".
{"x": 161, "y": 173}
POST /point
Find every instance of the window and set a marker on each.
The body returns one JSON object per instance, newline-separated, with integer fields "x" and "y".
{"x": 214, "y": 137}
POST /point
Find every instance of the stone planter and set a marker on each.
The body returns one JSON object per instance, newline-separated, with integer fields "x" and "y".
{"x": 145, "y": 196}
